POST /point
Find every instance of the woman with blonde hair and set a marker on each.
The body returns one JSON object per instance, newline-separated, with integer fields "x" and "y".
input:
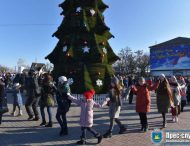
{"x": 164, "y": 98}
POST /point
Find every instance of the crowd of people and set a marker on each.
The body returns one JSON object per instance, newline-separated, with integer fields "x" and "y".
{"x": 172, "y": 94}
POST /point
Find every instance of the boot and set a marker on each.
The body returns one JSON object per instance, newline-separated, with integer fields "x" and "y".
{"x": 142, "y": 128}
{"x": 50, "y": 124}
{"x": 99, "y": 139}
{"x": 30, "y": 118}
{"x": 20, "y": 113}
{"x": 63, "y": 132}
{"x": 176, "y": 119}
{"x": 108, "y": 134}
{"x": 13, "y": 113}
{"x": 36, "y": 119}
{"x": 122, "y": 130}
{"x": 173, "y": 118}
{"x": 81, "y": 142}
{"x": 43, "y": 123}
{"x": 164, "y": 125}
{"x": 145, "y": 128}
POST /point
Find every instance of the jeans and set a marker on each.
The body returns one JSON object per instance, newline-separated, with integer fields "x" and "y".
{"x": 14, "y": 108}
{"x": 49, "y": 111}
{"x": 143, "y": 119}
{"x": 62, "y": 120}
{"x": 91, "y": 130}
{"x": 32, "y": 104}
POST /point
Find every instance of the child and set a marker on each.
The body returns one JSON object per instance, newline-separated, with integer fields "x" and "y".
{"x": 17, "y": 100}
{"x": 86, "y": 116}
{"x": 176, "y": 97}
{"x": 142, "y": 90}
{"x": 115, "y": 103}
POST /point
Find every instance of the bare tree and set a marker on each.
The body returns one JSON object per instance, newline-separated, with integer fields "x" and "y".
{"x": 4, "y": 69}
{"x": 132, "y": 63}
{"x": 127, "y": 62}
{"x": 142, "y": 62}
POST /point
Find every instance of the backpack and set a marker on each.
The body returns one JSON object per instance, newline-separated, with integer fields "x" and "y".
{"x": 182, "y": 92}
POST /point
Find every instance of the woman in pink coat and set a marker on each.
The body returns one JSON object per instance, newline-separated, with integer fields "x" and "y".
{"x": 86, "y": 116}
{"x": 142, "y": 90}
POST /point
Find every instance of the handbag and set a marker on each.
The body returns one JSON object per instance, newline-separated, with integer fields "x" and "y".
{"x": 4, "y": 106}
{"x": 50, "y": 100}
{"x": 19, "y": 99}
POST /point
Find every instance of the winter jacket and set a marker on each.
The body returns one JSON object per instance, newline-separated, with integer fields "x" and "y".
{"x": 176, "y": 93}
{"x": 62, "y": 98}
{"x": 86, "y": 114}
{"x": 164, "y": 97}
{"x": 47, "y": 94}
{"x": 115, "y": 103}
{"x": 143, "y": 100}
{"x": 32, "y": 87}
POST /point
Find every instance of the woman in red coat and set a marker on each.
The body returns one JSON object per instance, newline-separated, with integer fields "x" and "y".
{"x": 142, "y": 90}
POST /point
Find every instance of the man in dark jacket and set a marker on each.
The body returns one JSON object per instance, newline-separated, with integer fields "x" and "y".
{"x": 33, "y": 96}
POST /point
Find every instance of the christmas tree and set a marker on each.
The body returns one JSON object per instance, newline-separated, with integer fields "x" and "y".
{"x": 83, "y": 53}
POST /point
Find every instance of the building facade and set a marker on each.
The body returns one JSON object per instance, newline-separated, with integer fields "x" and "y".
{"x": 171, "y": 57}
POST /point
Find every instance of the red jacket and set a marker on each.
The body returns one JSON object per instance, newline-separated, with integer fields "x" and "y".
{"x": 143, "y": 97}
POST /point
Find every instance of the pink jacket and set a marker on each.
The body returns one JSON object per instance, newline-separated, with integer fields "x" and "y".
{"x": 86, "y": 115}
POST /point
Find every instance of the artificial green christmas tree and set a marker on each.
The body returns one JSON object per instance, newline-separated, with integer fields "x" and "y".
{"x": 83, "y": 52}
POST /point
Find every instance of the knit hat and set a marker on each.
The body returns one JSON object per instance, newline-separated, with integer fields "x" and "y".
{"x": 173, "y": 78}
{"x": 89, "y": 94}
{"x": 142, "y": 79}
{"x": 163, "y": 75}
{"x": 62, "y": 79}
{"x": 115, "y": 80}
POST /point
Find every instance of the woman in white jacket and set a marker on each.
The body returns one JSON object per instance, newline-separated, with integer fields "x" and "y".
{"x": 183, "y": 93}
{"x": 176, "y": 97}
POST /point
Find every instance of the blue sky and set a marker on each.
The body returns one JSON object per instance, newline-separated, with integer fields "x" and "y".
{"x": 134, "y": 23}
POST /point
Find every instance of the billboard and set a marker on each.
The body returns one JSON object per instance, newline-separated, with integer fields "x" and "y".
{"x": 170, "y": 58}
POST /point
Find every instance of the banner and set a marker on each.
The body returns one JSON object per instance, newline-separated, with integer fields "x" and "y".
{"x": 170, "y": 58}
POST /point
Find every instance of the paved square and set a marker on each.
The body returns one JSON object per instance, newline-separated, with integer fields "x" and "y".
{"x": 18, "y": 131}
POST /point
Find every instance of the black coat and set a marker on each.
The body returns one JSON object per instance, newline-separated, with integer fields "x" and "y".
{"x": 32, "y": 87}
{"x": 2, "y": 90}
